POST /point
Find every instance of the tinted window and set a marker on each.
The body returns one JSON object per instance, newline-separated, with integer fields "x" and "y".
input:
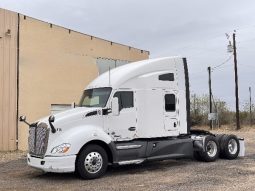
{"x": 126, "y": 99}
{"x": 166, "y": 77}
{"x": 97, "y": 97}
{"x": 170, "y": 102}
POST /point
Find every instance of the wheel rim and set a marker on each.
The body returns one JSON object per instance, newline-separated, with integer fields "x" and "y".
{"x": 93, "y": 162}
{"x": 211, "y": 148}
{"x": 232, "y": 146}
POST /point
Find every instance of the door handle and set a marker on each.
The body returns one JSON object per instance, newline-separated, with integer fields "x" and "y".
{"x": 174, "y": 124}
{"x": 131, "y": 128}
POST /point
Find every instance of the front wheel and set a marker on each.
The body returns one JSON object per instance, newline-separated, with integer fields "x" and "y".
{"x": 92, "y": 162}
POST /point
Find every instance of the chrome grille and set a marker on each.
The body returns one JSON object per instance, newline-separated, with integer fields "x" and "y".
{"x": 31, "y": 139}
{"x": 38, "y": 139}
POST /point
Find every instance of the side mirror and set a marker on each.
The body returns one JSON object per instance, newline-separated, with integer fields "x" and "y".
{"x": 51, "y": 118}
{"x": 115, "y": 106}
{"x": 22, "y": 118}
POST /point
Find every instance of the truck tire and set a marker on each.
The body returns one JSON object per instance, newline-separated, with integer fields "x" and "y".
{"x": 197, "y": 156}
{"x": 229, "y": 147}
{"x": 219, "y": 139}
{"x": 92, "y": 162}
{"x": 211, "y": 151}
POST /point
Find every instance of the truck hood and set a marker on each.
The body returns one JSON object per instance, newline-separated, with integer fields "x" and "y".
{"x": 72, "y": 115}
{"x": 69, "y": 124}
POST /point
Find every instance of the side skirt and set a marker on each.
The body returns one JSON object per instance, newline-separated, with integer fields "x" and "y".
{"x": 138, "y": 151}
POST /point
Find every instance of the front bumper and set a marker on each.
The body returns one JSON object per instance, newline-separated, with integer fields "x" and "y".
{"x": 53, "y": 164}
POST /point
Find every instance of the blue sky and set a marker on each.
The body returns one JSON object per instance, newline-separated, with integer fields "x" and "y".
{"x": 194, "y": 29}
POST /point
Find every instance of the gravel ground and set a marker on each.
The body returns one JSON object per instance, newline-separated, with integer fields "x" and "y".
{"x": 167, "y": 175}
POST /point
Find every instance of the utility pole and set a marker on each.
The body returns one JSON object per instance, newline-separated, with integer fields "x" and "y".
{"x": 210, "y": 94}
{"x": 236, "y": 83}
{"x": 250, "y": 107}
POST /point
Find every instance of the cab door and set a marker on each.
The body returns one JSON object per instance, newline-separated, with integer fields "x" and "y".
{"x": 170, "y": 112}
{"x": 123, "y": 126}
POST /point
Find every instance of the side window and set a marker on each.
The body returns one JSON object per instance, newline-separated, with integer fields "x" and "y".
{"x": 166, "y": 77}
{"x": 126, "y": 99}
{"x": 170, "y": 103}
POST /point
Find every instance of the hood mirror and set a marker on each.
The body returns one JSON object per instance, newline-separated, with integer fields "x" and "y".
{"x": 22, "y": 118}
{"x": 51, "y": 120}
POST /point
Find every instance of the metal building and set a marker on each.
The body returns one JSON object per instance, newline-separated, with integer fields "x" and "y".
{"x": 43, "y": 64}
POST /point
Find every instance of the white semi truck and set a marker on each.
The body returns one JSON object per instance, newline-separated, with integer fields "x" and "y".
{"x": 135, "y": 113}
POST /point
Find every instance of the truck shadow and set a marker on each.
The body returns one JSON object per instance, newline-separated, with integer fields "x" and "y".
{"x": 124, "y": 170}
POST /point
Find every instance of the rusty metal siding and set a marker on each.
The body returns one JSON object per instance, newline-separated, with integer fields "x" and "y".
{"x": 8, "y": 79}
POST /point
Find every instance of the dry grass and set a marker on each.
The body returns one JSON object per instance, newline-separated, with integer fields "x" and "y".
{"x": 226, "y": 128}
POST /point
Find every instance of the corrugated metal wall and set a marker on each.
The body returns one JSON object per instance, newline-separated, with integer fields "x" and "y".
{"x": 8, "y": 79}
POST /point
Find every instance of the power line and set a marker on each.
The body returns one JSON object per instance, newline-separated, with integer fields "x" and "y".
{"x": 226, "y": 61}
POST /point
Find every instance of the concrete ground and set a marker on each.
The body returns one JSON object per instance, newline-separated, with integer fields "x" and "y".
{"x": 166, "y": 175}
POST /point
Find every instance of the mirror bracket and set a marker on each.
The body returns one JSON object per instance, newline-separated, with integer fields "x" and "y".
{"x": 106, "y": 111}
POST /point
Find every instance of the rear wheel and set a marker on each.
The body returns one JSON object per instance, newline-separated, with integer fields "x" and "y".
{"x": 230, "y": 147}
{"x": 211, "y": 149}
{"x": 197, "y": 156}
{"x": 219, "y": 138}
{"x": 92, "y": 162}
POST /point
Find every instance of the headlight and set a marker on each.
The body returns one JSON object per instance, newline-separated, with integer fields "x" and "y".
{"x": 63, "y": 148}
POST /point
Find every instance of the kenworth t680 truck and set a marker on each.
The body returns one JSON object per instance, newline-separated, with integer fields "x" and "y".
{"x": 135, "y": 113}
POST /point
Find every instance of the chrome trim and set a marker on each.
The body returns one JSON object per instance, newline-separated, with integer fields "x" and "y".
{"x": 124, "y": 147}
{"x": 138, "y": 161}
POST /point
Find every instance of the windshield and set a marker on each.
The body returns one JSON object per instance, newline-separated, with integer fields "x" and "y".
{"x": 97, "y": 97}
